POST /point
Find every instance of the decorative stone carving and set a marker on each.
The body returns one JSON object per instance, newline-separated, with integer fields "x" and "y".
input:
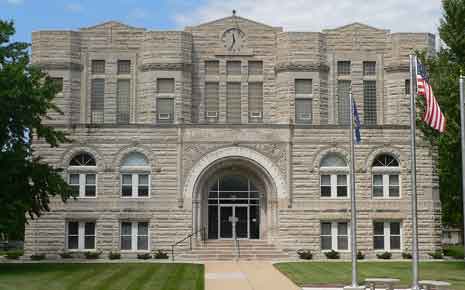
{"x": 312, "y": 67}
{"x": 166, "y": 67}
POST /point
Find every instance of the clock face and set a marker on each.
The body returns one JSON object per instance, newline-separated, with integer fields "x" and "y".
{"x": 233, "y": 39}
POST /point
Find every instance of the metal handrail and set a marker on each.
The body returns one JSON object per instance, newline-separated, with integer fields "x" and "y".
{"x": 236, "y": 240}
{"x": 189, "y": 236}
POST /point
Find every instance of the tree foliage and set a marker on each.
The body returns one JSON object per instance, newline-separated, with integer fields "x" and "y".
{"x": 26, "y": 93}
{"x": 444, "y": 72}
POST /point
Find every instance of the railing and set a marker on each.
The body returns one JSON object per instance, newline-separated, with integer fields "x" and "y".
{"x": 236, "y": 243}
{"x": 189, "y": 236}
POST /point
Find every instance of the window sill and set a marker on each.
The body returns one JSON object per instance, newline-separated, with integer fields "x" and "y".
{"x": 135, "y": 251}
{"x": 339, "y": 251}
{"x": 135, "y": 197}
{"x": 386, "y": 198}
{"x": 86, "y": 197}
{"x": 81, "y": 250}
{"x": 390, "y": 251}
{"x": 335, "y": 198}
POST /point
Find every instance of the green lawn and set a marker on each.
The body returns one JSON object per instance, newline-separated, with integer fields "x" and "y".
{"x": 454, "y": 251}
{"x": 339, "y": 273}
{"x": 127, "y": 276}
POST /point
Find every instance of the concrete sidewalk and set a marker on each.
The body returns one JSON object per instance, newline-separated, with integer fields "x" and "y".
{"x": 254, "y": 275}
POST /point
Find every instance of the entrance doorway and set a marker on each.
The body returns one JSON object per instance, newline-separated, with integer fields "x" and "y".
{"x": 233, "y": 209}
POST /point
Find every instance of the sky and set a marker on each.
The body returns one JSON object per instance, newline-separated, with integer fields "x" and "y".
{"x": 292, "y": 15}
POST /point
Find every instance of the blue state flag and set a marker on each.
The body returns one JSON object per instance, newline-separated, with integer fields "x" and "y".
{"x": 357, "y": 124}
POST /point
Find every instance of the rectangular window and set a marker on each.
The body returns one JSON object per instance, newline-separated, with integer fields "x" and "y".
{"x": 343, "y": 102}
{"x": 122, "y": 98}
{"x": 233, "y": 68}
{"x": 165, "y": 108}
{"x": 369, "y": 68}
{"x": 341, "y": 185}
{"x": 334, "y": 236}
{"x": 74, "y": 182}
{"x": 303, "y": 86}
{"x": 407, "y": 86}
{"x": 143, "y": 185}
{"x": 126, "y": 185}
{"x": 212, "y": 67}
{"x": 98, "y": 66}
{"x": 135, "y": 185}
{"x": 334, "y": 185}
{"x": 369, "y": 102}
{"x": 97, "y": 100}
{"x": 80, "y": 235}
{"x": 343, "y": 68}
{"x": 83, "y": 184}
{"x": 255, "y": 67}
{"x": 90, "y": 190}
{"x": 134, "y": 236}
{"x": 255, "y": 102}
{"x": 124, "y": 66}
{"x": 387, "y": 235}
{"x": 303, "y": 111}
{"x": 165, "y": 86}
{"x": 233, "y": 102}
{"x": 212, "y": 101}
{"x": 386, "y": 185}
{"x": 325, "y": 185}
{"x": 58, "y": 84}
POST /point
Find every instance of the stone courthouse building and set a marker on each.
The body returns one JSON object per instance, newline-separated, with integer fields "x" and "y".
{"x": 235, "y": 127}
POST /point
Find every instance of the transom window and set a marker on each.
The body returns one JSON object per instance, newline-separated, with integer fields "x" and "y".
{"x": 82, "y": 175}
{"x": 333, "y": 177}
{"x": 369, "y": 68}
{"x": 134, "y": 236}
{"x": 135, "y": 177}
{"x": 233, "y": 189}
{"x": 80, "y": 235}
{"x": 334, "y": 235}
{"x": 386, "y": 179}
{"x": 387, "y": 235}
{"x": 343, "y": 67}
{"x": 83, "y": 159}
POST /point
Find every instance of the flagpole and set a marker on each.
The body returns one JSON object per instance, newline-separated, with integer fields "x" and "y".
{"x": 353, "y": 240}
{"x": 462, "y": 120}
{"x": 413, "y": 112}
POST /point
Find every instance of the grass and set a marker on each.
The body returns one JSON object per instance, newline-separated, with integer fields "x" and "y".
{"x": 127, "y": 276}
{"x": 339, "y": 273}
{"x": 454, "y": 251}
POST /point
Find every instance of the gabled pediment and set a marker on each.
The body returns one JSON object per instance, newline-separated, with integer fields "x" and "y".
{"x": 234, "y": 19}
{"x": 111, "y": 25}
{"x": 355, "y": 26}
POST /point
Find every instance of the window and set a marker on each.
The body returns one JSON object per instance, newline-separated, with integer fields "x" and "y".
{"x": 343, "y": 68}
{"x": 343, "y": 90}
{"x": 255, "y": 102}
{"x": 303, "y": 87}
{"x": 369, "y": 102}
{"x": 98, "y": 66}
{"x": 122, "y": 98}
{"x": 387, "y": 235}
{"x": 233, "y": 102}
{"x": 165, "y": 86}
{"x": 212, "y": 67}
{"x": 165, "y": 110}
{"x": 333, "y": 177}
{"x": 255, "y": 67}
{"x": 58, "y": 84}
{"x": 303, "y": 111}
{"x": 82, "y": 177}
{"x": 407, "y": 87}
{"x": 135, "y": 178}
{"x": 334, "y": 236}
{"x": 97, "y": 103}
{"x": 233, "y": 68}
{"x": 212, "y": 101}
{"x": 80, "y": 235}
{"x": 369, "y": 68}
{"x": 386, "y": 183}
{"x": 124, "y": 66}
{"x": 135, "y": 236}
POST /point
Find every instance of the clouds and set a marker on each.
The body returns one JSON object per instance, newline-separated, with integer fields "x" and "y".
{"x": 315, "y": 15}
{"x": 15, "y": 2}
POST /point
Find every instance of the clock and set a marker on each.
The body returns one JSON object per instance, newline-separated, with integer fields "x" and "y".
{"x": 233, "y": 39}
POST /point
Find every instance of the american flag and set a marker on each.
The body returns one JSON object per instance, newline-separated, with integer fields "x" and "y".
{"x": 357, "y": 135}
{"x": 433, "y": 115}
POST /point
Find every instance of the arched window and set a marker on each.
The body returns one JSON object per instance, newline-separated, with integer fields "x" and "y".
{"x": 333, "y": 176}
{"x": 386, "y": 183}
{"x": 82, "y": 175}
{"x": 135, "y": 175}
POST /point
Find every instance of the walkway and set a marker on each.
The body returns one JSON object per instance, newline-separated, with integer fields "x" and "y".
{"x": 243, "y": 275}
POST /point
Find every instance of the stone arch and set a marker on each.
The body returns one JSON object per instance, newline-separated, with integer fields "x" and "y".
{"x": 123, "y": 152}
{"x": 259, "y": 160}
{"x": 325, "y": 151}
{"x": 385, "y": 150}
{"x": 78, "y": 148}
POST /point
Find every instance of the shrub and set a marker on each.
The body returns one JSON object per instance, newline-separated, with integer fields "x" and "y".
{"x": 38, "y": 257}
{"x": 66, "y": 255}
{"x": 332, "y": 255}
{"x": 92, "y": 255}
{"x": 145, "y": 256}
{"x": 305, "y": 254}
{"x": 114, "y": 256}
{"x": 160, "y": 255}
{"x": 436, "y": 254}
{"x": 360, "y": 255}
{"x": 454, "y": 251}
{"x": 406, "y": 255}
{"x": 384, "y": 256}
{"x": 13, "y": 255}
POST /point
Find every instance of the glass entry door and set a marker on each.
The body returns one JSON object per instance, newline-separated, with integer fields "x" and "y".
{"x": 234, "y": 217}
{"x": 226, "y": 226}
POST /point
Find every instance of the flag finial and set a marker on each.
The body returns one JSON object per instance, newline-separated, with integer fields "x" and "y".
{"x": 234, "y": 12}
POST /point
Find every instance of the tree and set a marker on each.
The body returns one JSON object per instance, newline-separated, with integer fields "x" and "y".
{"x": 26, "y": 93}
{"x": 444, "y": 71}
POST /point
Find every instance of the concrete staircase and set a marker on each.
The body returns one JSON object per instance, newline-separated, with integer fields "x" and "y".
{"x": 225, "y": 250}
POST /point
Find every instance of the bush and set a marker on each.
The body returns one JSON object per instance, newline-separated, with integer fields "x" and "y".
{"x": 305, "y": 254}
{"x": 360, "y": 255}
{"x": 406, "y": 255}
{"x": 454, "y": 251}
{"x": 92, "y": 255}
{"x": 66, "y": 255}
{"x": 114, "y": 256}
{"x": 333, "y": 255}
{"x": 384, "y": 256}
{"x": 160, "y": 255}
{"x": 13, "y": 255}
{"x": 436, "y": 254}
{"x": 145, "y": 256}
{"x": 38, "y": 257}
